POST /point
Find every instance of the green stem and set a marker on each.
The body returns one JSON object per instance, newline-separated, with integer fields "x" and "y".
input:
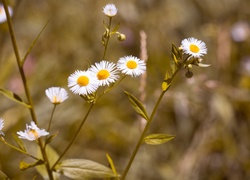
{"x": 144, "y": 132}
{"x": 26, "y": 87}
{"x": 107, "y": 41}
{"x": 19, "y": 150}
{"x": 51, "y": 117}
{"x": 74, "y": 138}
{"x": 18, "y": 59}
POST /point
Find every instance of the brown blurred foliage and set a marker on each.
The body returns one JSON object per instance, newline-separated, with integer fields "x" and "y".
{"x": 209, "y": 114}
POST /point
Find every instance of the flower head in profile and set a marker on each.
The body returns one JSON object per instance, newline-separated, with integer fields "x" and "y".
{"x": 56, "y": 94}
{"x": 32, "y": 132}
{"x": 131, "y": 65}
{"x": 105, "y": 72}
{"x": 110, "y": 10}
{"x": 1, "y": 126}
{"x": 194, "y": 47}
{"x": 83, "y": 82}
{"x": 3, "y": 17}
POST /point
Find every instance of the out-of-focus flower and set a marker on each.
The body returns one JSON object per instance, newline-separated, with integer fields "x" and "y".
{"x": 56, "y": 94}
{"x": 83, "y": 82}
{"x": 131, "y": 65}
{"x": 1, "y": 126}
{"x": 240, "y": 31}
{"x": 3, "y": 17}
{"x": 105, "y": 72}
{"x": 32, "y": 132}
{"x": 110, "y": 10}
{"x": 194, "y": 47}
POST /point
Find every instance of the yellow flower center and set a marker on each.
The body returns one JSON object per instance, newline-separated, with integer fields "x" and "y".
{"x": 34, "y": 133}
{"x": 56, "y": 100}
{"x": 194, "y": 48}
{"x": 103, "y": 74}
{"x": 131, "y": 64}
{"x": 83, "y": 81}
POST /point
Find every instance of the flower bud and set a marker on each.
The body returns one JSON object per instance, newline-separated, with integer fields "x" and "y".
{"x": 121, "y": 37}
{"x": 189, "y": 74}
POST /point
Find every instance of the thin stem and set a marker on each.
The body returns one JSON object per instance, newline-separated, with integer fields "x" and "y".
{"x": 51, "y": 117}
{"x": 144, "y": 132}
{"x": 19, "y": 150}
{"x": 18, "y": 59}
{"x": 74, "y": 138}
{"x": 107, "y": 41}
{"x": 45, "y": 158}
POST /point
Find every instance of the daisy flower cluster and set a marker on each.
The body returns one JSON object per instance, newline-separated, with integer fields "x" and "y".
{"x": 56, "y": 95}
{"x": 194, "y": 47}
{"x": 110, "y": 10}
{"x": 104, "y": 73}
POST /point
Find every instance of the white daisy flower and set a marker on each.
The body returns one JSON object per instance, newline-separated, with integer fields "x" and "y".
{"x": 105, "y": 72}
{"x": 83, "y": 82}
{"x": 1, "y": 126}
{"x": 32, "y": 132}
{"x": 56, "y": 94}
{"x": 110, "y": 10}
{"x": 194, "y": 47}
{"x": 3, "y": 17}
{"x": 131, "y": 65}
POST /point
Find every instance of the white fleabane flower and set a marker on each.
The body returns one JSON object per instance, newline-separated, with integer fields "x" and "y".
{"x": 105, "y": 72}
{"x": 131, "y": 65}
{"x": 32, "y": 132}
{"x": 83, "y": 82}
{"x": 56, "y": 94}
{"x": 1, "y": 126}
{"x": 110, "y": 10}
{"x": 3, "y": 17}
{"x": 194, "y": 47}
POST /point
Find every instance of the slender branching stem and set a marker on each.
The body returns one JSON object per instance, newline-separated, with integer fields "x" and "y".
{"x": 51, "y": 117}
{"x": 75, "y": 136}
{"x": 144, "y": 132}
{"x": 107, "y": 40}
{"x": 19, "y": 63}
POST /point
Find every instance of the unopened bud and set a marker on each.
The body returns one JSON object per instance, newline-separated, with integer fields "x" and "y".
{"x": 189, "y": 66}
{"x": 121, "y": 37}
{"x": 189, "y": 74}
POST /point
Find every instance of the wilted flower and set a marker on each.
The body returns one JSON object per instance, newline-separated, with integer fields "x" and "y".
{"x": 194, "y": 47}
{"x": 56, "y": 94}
{"x": 110, "y": 10}
{"x": 131, "y": 65}
{"x": 3, "y": 17}
{"x": 32, "y": 132}
{"x": 105, "y": 72}
{"x": 1, "y": 126}
{"x": 83, "y": 82}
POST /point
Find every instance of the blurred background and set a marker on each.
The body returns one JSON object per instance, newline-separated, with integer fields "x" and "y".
{"x": 209, "y": 113}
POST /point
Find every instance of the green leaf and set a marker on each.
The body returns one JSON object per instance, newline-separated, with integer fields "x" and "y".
{"x": 83, "y": 169}
{"x": 24, "y": 165}
{"x": 116, "y": 28}
{"x": 50, "y": 138}
{"x": 52, "y": 157}
{"x": 165, "y": 85}
{"x": 111, "y": 164}
{"x": 19, "y": 142}
{"x": 176, "y": 52}
{"x": 137, "y": 105}
{"x": 156, "y": 139}
{"x": 14, "y": 97}
{"x": 33, "y": 44}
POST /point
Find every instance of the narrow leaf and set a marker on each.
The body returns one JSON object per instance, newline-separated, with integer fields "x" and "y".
{"x": 24, "y": 165}
{"x": 19, "y": 142}
{"x": 33, "y": 44}
{"x": 176, "y": 52}
{"x": 111, "y": 164}
{"x": 156, "y": 139}
{"x": 83, "y": 169}
{"x": 203, "y": 65}
{"x": 50, "y": 138}
{"x": 165, "y": 85}
{"x": 14, "y": 97}
{"x": 116, "y": 28}
{"x": 137, "y": 105}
